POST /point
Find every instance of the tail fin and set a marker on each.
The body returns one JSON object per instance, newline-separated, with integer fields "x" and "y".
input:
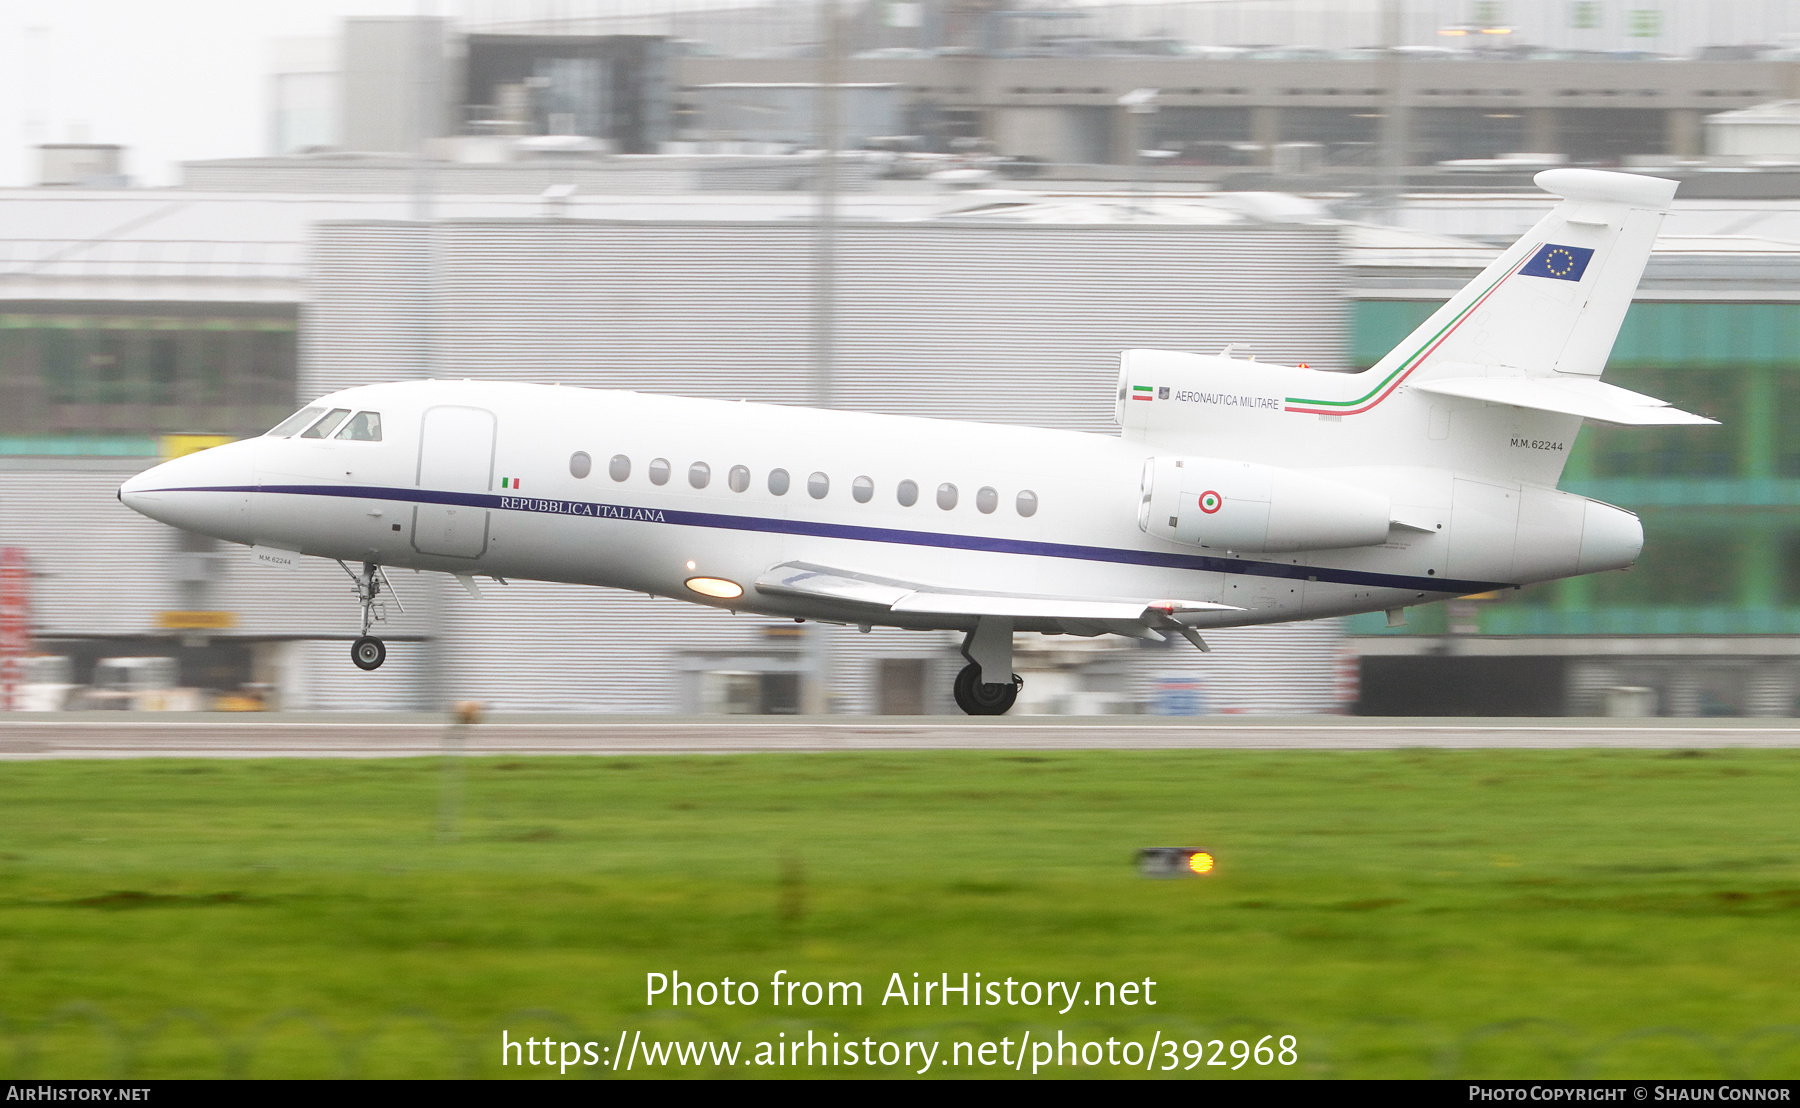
{"x": 1553, "y": 302}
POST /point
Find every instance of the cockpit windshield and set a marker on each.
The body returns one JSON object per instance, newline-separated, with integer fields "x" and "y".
{"x": 363, "y": 427}
{"x": 294, "y": 422}
{"x": 324, "y": 428}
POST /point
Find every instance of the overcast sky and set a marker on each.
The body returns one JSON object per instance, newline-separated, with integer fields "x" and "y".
{"x": 169, "y": 79}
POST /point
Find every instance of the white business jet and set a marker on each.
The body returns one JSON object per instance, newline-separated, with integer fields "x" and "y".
{"x": 1237, "y": 492}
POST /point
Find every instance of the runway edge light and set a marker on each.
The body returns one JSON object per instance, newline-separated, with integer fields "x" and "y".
{"x": 1175, "y": 861}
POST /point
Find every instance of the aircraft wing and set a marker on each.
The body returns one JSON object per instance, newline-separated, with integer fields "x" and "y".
{"x": 1136, "y": 617}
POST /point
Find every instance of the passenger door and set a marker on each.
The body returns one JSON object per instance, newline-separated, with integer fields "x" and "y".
{"x": 456, "y": 458}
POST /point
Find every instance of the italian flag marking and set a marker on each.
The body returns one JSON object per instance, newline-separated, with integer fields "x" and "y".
{"x": 1143, "y": 392}
{"x": 509, "y": 482}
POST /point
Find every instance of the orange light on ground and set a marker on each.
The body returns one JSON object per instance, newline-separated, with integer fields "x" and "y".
{"x": 1175, "y": 861}
{"x": 716, "y": 587}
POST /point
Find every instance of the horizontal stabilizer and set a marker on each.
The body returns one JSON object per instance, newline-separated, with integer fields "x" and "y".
{"x": 1584, "y": 397}
{"x": 903, "y": 598}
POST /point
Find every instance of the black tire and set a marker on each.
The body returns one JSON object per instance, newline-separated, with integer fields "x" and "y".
{"x": 978, "y": 698}
{"x": 368, "y": 652}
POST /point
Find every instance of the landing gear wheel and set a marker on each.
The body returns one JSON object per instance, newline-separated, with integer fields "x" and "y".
{"x": 369, "y": 652}
{"x": 980, "y": 699}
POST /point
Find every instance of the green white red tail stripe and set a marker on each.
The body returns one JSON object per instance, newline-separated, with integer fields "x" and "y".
{"x": 1393, "y": 380}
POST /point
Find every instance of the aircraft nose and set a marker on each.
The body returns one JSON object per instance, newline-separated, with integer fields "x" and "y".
{"x": 205, "y": 492}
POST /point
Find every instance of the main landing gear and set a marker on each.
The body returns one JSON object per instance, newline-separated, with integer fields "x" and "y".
{"x": 978, "y": 698}
{"x": 368, "y": 652}
{"x": 989, "y": 651}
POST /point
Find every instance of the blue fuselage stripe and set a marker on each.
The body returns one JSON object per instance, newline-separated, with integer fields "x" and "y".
{"x": 715, "y": 520}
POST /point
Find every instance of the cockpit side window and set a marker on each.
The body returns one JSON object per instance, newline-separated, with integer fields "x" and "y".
{"x": 324, "y": 428}
{"x": 363, "y": 427}
{"x": 294, "y": 422}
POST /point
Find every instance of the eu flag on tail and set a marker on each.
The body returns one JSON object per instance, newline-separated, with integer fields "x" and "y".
{"x": 1559, "y": 263}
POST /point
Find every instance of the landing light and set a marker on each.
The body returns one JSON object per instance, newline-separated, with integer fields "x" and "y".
{"x": 715, "y": 587}
{"x": 1175, "y": 861}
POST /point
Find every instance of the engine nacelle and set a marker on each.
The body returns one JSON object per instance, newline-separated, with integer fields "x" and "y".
{"x": 1226, "y": 505}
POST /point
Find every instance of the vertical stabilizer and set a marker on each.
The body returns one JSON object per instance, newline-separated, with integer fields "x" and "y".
{"x": 1553, "y": 302}
{"x": 1494, "y": 385}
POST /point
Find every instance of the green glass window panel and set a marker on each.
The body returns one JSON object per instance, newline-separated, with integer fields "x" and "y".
{"x": 1787, "y": 424}
{"x": 1531, "y": 596}
{"x": 1699, "y": 333}
{"x": 1655, "y": 334}
{"x": 1675, "y": 451}
{"x": 270, "y": 355}
{"x": 164, "y": 363}
{"x": 1676, "y": 570}
{"x": 1788, "y": 579}
{"x": 109, "y": 369}
{"x": 232, "y": 380}
{"x": 209, "y": 364}
{"x": 59, "y": 366}
{"x": 1377, "y": 326}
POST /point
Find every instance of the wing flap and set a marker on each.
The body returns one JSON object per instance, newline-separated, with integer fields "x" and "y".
{"x": 822, "y": 583}
{"x": 796, "y": 579}
{"x": 984, "y": 604}
{"x": 1584, "y": 397}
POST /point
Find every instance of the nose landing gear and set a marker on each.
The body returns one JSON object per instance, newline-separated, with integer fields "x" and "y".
{"x": 368, "y": 652}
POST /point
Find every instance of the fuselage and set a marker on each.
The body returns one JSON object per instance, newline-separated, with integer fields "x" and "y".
{"x": 648, "y": 492}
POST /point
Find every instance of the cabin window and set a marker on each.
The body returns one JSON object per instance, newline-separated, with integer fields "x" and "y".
{"x": 986, "y": 501}
{"x": 738, "y": 478}
{"x": 324, "y": 428}
{"x": 946, "y": 496}
{"x": 817, "y": 486}
{"x": 907, "y": 493}
{"x": 580, "y": 465}
{"x": 294, "y": 422}
{"x": 699, "y": 474}
{"x": 778, "y": 482}
{"x": 659, "y": 471}
{"x": 619, "y": 468}
{"x": 1027, "y": 503}
{"x": 863, "y": 489}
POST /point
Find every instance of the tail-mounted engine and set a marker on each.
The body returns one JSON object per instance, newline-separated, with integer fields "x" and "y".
{"x": 1243, "y": 506}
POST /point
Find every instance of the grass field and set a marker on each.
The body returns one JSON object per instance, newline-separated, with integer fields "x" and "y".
{"x": 1407, "y": 913}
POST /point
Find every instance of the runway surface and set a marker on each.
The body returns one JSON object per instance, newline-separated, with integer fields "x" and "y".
{"x": 323, "y": 735}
